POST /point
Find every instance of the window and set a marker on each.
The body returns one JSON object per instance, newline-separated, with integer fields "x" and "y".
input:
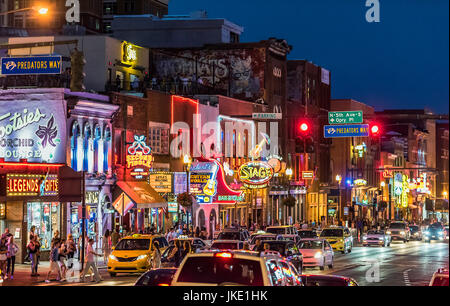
{"x": 159, "y": 138}
{"x": 275, "y": 273}
{"x": 217, "y": 270}
{"x": 133, "y": 244}
{"x": 44, "y": 217}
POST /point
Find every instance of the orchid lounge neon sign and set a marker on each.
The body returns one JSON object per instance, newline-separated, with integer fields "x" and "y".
{"x": 26, "y": 135}
{"x": 139, "y": 157}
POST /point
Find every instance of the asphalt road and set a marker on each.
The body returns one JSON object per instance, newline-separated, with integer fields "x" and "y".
{"x": 410, "y": 264}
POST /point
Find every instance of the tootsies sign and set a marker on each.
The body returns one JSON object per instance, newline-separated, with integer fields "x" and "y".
{"x": 33, "y": 130}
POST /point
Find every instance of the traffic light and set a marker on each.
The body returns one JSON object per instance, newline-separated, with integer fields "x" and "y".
{"x": 304, "y": 142}
{"x": 77, "y": 74}
{"x": 304, "y": 128}
{"x": 375, "y": 130}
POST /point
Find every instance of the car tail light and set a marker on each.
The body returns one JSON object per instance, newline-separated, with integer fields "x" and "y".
{"x": 224, "y": 255}
{"x": 163, "y": 285}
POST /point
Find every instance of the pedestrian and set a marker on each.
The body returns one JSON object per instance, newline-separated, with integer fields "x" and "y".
{"x": 7, "y": 234}
{"x": 176, "y": 254}
{"x": 3, "y": 256}
{"x": 32, "y": 254}
{"x": 71, "y": 249}
{"x": 90, "y": 262}
{"x": 258, "y": 246}
{"x": 13, "y": 248}
{"x": 156, "y": 256}
{"x": 246, "y": 246}
{"x": 197, "y": 232}
{"x": 61, "y": 259}
{"x": 186, "y": 250}
{"x": 54, "y": 259}
{"x": 266, "y": 247}
{"x": 55, "y": 237}
{"x": 106, "y": 246}
{"x": 114, "y": 238}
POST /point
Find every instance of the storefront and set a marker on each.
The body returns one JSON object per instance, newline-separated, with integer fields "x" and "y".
{"x": 32, "y": 151}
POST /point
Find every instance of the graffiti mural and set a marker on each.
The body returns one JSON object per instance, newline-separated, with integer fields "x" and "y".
{"x": 241, "y": 71}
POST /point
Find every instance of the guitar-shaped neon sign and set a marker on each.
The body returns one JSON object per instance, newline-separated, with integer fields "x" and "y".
{"x": 256, "y": 151}
{"x": 210, "y": 187}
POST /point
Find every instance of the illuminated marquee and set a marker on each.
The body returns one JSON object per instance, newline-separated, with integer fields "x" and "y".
{"x": 139, "y": 157}
{"x": 255, "y": 174}
{"x": 31, "y": 185}
{"x": 360, "y": 182}
{"x": 129, "y": 52}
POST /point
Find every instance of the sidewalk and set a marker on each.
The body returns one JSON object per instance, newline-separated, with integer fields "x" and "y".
{"x": 22, "y": 274}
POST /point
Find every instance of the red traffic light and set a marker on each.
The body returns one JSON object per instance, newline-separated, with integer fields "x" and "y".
{"x": 304, "y": 127}
{"x": 375, "y": 129}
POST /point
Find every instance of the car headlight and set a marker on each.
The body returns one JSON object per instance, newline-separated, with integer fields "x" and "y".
{"x": 441, "y": 233}
{"x": 402, "y": 233}
{"x": 364, "y": 237}
{"x": 318, "y": 255}
{"x": 112, "y": 257}
{"x": 427, "y": 233}
{"x": 140, "y": 257}
{"x": 380, "y": 238}
{"x": 388, "y": 232}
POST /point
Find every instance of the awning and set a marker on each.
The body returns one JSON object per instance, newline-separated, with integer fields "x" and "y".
{"x": 139, "y": 194}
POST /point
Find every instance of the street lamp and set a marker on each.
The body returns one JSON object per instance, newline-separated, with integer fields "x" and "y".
{"x": 339, "y": 180}
{"x": 382, "y": 184}
{"x": 445, "y": 194}
{"x": 289, "y": 173}
{"x": 187, "y": 162}
{"x": 43, "y": 10}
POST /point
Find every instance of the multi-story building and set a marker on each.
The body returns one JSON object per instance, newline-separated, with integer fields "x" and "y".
{"x": 442, "y": 165}
{"x": 113, "y": 8}
{"x": 175, "y": 31}
{"x": 308, "y": 97}
{"x": 355, "y": 160}
{"x": 24, "y": 14}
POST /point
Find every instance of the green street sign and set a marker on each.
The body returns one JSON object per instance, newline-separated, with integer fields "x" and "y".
{"x": 345, "y": 117}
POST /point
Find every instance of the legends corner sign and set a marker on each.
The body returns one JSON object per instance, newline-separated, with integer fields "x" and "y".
{"x": 31, "y": 65}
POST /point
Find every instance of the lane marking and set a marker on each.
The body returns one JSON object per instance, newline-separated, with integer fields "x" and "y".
{"x": 406, "y": 277}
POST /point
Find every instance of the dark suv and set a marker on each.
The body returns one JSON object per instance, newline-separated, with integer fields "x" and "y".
{"x": 434, "y": 232}
{"x": 234, "y": 234}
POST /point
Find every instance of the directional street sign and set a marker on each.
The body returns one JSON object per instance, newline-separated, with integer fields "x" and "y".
{"x": 267, "y": 116}
{"x": 31, "y": 65}
{"x": 352, "y": 130}
{"x": 345, "y": 117}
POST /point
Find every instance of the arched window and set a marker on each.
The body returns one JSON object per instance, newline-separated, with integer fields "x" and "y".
{"x": 74, "y": 134}
{"x": 97, "y": 138}
{"x": 106, "y": 145}
{"x": 86, "y": 138}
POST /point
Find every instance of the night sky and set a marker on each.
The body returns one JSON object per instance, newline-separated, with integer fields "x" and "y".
{"x": 401, "y": 62}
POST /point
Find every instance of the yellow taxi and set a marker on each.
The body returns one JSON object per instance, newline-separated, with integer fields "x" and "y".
{"x": 133, "y": 254}
{"x": 339, "y": 238}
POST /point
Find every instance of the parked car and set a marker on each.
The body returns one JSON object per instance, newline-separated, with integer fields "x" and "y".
{"x": 328, "y": 281}
{"x": 376, "y": 237}
{"x": 399, "y": 230}
{"x": 156, "y": 277}
{"x": 415, "y": 232}
{"x": 440, "y": 278}
{"x": 235, "y": 268}
{"x": 316, "y": 253}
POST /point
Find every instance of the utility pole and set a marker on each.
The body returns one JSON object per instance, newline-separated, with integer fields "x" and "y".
{"x": 83, "y": 219}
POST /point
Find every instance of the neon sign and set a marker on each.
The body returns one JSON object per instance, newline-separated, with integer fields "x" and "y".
{"x": 139, "y": 157}
{"x": 360, "y": 182}
{"x": 31, "y": 185}
{"x": 255, "y": 174}
{"x": 129, "y": 52}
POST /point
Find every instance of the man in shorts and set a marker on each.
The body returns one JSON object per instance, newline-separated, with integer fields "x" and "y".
{"x": 54, "y": 258}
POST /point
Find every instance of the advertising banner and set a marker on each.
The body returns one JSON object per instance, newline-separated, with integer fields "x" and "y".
{"x": 33, "y": 130}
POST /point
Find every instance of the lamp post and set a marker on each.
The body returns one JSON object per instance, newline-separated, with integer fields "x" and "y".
{"x": 187, "y": 163}
{"x": 289, "y": 173}
{"x": 339, "y": 180}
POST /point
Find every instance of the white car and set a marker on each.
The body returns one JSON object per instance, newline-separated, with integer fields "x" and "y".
{"x": 227, "y": 245}
{"x": 316, "y": 253}
{"x": 375, "y": 237}
{"x": 235, "y": 268}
